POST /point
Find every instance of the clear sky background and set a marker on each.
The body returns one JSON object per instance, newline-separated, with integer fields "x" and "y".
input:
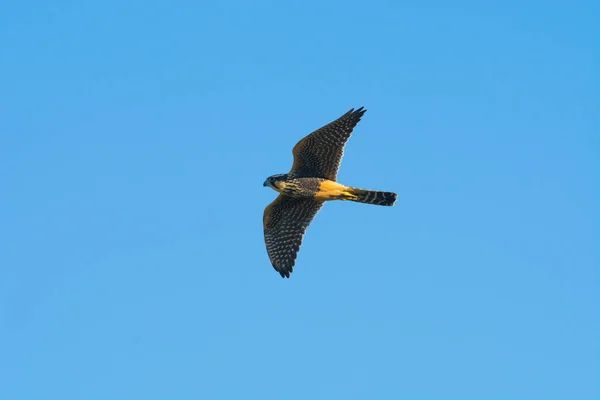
{"x": 134, "y": 141}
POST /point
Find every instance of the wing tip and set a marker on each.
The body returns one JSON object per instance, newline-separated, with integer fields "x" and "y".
{"x": 284, "y": 271}
{"x": 361, "y": 110}
{"x": 285, "y": 274}
{"x": 354, "y": 115}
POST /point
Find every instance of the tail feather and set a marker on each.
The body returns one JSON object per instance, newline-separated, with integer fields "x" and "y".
{"x": 374, "y": 197}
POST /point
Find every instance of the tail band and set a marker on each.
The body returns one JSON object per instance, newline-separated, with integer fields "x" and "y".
{"x": 374, "y": 197}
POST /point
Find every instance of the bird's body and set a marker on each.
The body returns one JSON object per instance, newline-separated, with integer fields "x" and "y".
{"x": 311, "y": 182}
{"x": 325, "y": 189}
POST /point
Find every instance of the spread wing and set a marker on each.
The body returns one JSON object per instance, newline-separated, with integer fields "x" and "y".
{"x": 319, "y": 154}
{"x": 285, "y": 220}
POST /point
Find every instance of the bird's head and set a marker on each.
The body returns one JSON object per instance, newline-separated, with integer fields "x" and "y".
{"x": 275, "y": 181}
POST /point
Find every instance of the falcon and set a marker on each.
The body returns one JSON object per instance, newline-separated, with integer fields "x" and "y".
{"x": 310, "y": 183}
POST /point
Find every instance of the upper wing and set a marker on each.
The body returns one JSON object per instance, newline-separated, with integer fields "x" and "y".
{"x": 319, "y": 154}
{"x": 285, "y": 220}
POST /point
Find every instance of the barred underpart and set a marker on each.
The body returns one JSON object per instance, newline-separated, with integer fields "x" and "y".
{"x": 302, "y": 187}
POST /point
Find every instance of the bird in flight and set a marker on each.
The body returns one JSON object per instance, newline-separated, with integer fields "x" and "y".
{"x": 310, "y": 183}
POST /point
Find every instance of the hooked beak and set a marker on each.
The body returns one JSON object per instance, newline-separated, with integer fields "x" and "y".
{"x": 266, "y": 183}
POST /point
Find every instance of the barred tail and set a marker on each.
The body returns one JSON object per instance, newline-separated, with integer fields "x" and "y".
{"x": 373, "y": 197}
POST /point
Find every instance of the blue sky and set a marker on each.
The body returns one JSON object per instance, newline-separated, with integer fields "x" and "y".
{"x": 134, "y": 140}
